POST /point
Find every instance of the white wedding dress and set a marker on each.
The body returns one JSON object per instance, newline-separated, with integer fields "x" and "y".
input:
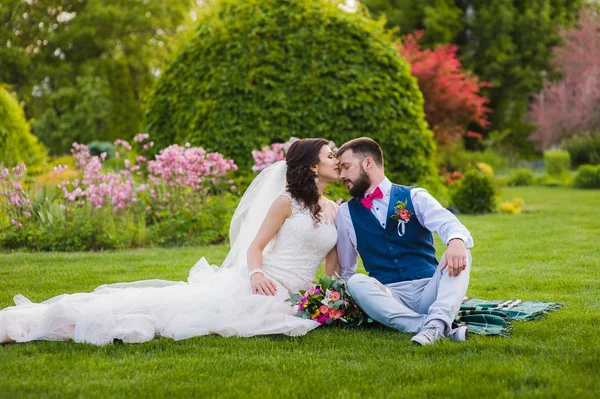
{"x": 213, "y": 301}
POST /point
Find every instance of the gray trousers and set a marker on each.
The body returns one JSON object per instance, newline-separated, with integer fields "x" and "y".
{"x": 410, "y": 305}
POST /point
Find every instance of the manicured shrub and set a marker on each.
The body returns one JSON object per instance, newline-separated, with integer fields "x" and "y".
{"x": 588, "y": 176}
{"x": 521, "y": 177}
{"x": 17, "y": 144}
{"x": 257, "y": 72}
{"x": 558, "y": 162}
{"x": 584, "y": 149}
{"x": 474, "y": 194}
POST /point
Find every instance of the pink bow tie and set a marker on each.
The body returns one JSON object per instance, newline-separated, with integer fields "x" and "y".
{"x": 368, "y": 200}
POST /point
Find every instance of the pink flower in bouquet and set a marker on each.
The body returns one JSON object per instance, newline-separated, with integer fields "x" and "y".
{"x": 324, "y": 309}
{"x": 322, "y": 318}
{"x": 336, "y": 313}
{"x": 335, "y": 296}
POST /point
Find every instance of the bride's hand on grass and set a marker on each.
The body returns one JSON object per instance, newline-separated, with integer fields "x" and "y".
{"x": 262, "y": 285}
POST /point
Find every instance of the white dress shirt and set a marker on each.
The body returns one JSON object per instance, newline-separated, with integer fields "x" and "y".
{"x": 429, "y": 212}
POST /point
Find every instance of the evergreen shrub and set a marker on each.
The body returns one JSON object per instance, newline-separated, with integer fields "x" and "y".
{"x": 260, "y": 71}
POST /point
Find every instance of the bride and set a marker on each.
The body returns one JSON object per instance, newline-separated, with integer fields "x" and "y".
{"x": 280, "y": 233}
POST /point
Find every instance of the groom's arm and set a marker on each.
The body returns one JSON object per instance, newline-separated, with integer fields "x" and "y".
{"x": 346, "y": 244}
{"x": 437, "y": 219}
{"x": 434, "y": 217}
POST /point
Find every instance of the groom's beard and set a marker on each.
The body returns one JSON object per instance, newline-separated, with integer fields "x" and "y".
{"x": 360, "y": 185}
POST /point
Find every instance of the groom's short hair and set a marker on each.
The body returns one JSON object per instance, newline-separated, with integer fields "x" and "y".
{"x": 365, "y": 147}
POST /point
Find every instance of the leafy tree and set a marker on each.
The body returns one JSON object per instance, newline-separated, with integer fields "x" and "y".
{"x": 261, "y": 71}
{"x": 505, "y": 42}
{"x": 441, "y": 20}
{"x": 83, "y": 68}
{"x": 451, "y": 95}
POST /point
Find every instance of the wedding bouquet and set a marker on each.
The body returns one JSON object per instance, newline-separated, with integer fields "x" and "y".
{"x": 328, "y": 302}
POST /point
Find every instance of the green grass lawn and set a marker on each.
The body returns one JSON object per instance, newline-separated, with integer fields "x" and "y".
{"x": 548, "y": 253}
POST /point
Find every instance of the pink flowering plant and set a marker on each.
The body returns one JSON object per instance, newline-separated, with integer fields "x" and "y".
{"x": 14, "y": 199}
{"x": 328, "y": 302}
{"x": 275, "y": 152}
{"x": 181, "y": 195}
{"x": 270, "y": 154}
{"x": 178, "y": 177}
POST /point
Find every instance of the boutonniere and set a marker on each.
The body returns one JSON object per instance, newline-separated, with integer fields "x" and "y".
{"x": 402, "y": 215}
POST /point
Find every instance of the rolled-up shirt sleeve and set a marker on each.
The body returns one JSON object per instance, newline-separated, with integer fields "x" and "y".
{"x": 434, "y": 217}
{"x": 346, "y": 243}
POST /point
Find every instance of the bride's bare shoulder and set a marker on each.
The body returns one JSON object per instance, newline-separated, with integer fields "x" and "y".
{"x": 330, "y": 208}
{"x": 332, "y": 203}
{"x": 282, "y": 204}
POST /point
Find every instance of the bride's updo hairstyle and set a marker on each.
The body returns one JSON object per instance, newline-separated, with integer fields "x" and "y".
{"x": 301, "y": 184}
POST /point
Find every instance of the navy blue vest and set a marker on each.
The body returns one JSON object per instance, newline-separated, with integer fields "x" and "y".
{"x": 387, "y": 256}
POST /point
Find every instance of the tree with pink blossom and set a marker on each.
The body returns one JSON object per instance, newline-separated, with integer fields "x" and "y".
{"x": 571, "y": 106}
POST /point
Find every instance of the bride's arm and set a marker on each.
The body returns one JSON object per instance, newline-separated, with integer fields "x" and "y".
{"x": 332, "y": 264}
{"x": 279, "y": 211}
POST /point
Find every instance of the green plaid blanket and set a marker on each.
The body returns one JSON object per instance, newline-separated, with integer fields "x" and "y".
{"x": 495, "y": 317}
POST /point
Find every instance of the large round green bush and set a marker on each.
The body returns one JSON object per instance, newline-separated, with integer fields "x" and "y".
{"x": 261, "y": 71}
{"x": 17, "y": 144}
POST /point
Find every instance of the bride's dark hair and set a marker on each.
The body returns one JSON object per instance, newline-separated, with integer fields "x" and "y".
{"x": 300, "y": 179}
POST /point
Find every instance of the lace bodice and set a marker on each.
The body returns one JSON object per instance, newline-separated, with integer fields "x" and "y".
{"x": 297, "y": 250}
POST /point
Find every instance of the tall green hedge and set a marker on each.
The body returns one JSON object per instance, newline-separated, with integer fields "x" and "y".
{"x": 17, "y": 144}
{"x": 261, "y": 71}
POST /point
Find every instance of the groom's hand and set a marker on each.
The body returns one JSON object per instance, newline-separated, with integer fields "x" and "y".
{"x": 262, "y": 285}
{"x": 455, "y": 258}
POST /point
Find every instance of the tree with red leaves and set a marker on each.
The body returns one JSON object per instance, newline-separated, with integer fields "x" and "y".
{"x": 452, "y": 99}
{"x": 571, "y": 106}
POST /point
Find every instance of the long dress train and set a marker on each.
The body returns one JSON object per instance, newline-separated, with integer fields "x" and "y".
{"x": 212, "y": 301}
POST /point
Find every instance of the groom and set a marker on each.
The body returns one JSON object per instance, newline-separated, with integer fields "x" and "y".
{"x": 390, "y": 227}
